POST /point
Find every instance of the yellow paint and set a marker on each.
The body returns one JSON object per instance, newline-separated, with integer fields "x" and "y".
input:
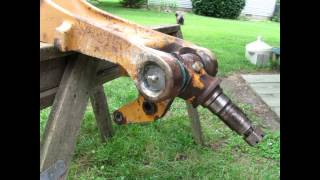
{"x": 133, "y": 112}
{"x": 196, "y": 81}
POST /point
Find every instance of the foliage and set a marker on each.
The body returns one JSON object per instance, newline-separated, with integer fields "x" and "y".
{"x": 276, "y": 14}
{"x": 275, "y": 18}
{"x": 132, "y": 3}
{"x": 275, "y": 64}
{"x": 230, "y": 9}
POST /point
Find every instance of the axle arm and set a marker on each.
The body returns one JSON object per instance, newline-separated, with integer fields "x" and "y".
{"x": 162, "y": 67}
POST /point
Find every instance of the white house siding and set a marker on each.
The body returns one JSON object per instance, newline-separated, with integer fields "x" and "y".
{"x": 263, "y": 8}
{"x": 186, "y": 4}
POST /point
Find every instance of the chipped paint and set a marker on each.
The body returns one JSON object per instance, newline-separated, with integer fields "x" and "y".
{"x": 196, "y": 81}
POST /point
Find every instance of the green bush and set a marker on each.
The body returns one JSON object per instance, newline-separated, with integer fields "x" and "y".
{"x": 132, "y": 3}
{"x": 276, "y": 14}
{"x": 275, "y": 18}
{"x": 230, "y": 9}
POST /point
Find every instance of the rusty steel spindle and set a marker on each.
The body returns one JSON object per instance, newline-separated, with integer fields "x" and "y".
{"x": 213, "y": 98}
{"x": 233, "y": 117}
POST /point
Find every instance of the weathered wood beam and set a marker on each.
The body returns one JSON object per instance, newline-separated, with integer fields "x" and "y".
{"x": 47, "y": 52}
{"x": 195, "y": 124}
{"x": 67, "y": 112}
{"x": 101, "y": 112}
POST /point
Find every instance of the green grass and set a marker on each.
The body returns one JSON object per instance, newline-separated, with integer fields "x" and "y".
{"x": 152, "y": 151}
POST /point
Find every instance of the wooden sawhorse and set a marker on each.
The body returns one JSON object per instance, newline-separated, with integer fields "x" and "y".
{"x": 67, "y": 82}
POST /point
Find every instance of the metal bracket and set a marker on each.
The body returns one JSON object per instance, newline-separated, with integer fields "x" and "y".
{"x": 141, "y": 111}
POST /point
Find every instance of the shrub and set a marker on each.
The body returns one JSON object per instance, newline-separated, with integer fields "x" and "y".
{"x": 276, "y": 14}
{"x": 275, "y": 18}
{"x": 132, "y": 3}
{"x": 230, "y": 9}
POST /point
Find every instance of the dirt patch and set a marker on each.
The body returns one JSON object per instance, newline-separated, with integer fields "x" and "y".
{"x": 241, "y": 92}
{"x": 217, "y": 145}
{"x": 180, "y": 157}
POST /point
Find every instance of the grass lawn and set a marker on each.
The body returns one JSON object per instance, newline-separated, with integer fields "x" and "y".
{"x": 153, "y": 151}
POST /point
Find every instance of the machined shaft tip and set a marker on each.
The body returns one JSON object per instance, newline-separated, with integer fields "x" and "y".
{"x": 233, "y": 117}
{"x": 254, "y": 137}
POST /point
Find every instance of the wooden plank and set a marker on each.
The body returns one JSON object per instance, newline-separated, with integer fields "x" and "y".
{"x": 262, "y": 78}
{"x": 44, "y": 45}
{"x": 47, "y": 51}
{"x": 101, "y": 112}
{"x": 67, "y": 112}
{"x": 195, "y": 124}
{"x": 178, "y": 34}
{"x": 104, "y": 65}
{"x": 107, "y": 74}
{"x": 51, "y": 72}
{"x": 47, "y": 97}
{"x": 167, "y": 29}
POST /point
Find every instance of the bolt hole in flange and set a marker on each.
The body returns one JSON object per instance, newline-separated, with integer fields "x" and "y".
{"x": 149, "y": 108}
{"x": 118, "y": 117}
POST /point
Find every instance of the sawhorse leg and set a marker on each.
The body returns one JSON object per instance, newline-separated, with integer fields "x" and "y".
{"x": 67, "y": 112}
{"x": 195, "y": 124}
{"x": 101, "y": 112}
